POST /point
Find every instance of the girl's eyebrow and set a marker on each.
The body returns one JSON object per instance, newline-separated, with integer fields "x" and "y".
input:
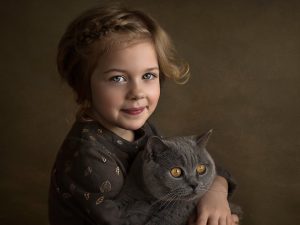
{"x": 152, "y": 68}
{"x": 124, "y": 71}
{"x": 114, "y": 70}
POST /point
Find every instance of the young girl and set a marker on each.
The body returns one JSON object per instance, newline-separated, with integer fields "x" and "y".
{"x": 115, "y": 60}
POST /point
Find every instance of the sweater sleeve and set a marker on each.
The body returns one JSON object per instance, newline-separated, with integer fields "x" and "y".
{"x": 86, "y": 178}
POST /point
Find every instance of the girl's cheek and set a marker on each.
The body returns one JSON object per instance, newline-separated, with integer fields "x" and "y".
{"x": 155, "y": 98}
{"x": 157, "y": 92}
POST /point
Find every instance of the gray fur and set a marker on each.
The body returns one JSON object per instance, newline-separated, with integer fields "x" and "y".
{"x": 151, "y": 195}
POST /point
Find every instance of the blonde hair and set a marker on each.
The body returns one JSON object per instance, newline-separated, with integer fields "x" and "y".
{"x": 93, "y": 33}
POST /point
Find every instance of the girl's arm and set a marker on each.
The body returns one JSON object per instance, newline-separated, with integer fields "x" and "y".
{"x": 213, "y": 208}
{"x": 84, "y": 180}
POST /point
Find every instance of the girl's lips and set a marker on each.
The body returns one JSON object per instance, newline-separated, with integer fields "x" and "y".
{"x": 134, "y": 111}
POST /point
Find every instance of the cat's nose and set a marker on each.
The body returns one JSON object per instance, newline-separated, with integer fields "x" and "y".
{"x": 193, "y": 186}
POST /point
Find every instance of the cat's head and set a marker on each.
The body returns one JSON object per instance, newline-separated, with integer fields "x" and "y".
{"x": 178, "y": 168}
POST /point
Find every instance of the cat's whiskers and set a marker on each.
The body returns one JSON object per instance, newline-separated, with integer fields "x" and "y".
{"x": 177, "y": 194}
{"x": 181, "y": 193}
{"x": 167, "y": 203}
{"x": 165, "y": 200}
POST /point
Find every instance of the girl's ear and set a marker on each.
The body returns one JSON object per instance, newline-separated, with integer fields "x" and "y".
{"x": 202, "y": 140}
{"x": 154, "y": 147}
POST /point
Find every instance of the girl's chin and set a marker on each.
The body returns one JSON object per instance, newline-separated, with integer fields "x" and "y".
{"x": 134, "y": 126}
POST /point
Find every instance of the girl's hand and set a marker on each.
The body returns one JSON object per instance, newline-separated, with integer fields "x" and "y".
{"x": 213, "y": 208}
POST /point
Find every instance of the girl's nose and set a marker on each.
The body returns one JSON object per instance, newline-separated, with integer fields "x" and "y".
{"x": 136, "y": 91}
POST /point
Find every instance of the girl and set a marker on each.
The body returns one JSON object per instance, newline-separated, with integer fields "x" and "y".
{"x": 115, "y": 60}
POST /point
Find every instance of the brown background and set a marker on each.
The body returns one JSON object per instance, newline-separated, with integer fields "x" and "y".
{"x": 245, "y": 64}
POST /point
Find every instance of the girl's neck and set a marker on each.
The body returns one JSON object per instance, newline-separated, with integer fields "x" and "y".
{"x": 128, "y": 135}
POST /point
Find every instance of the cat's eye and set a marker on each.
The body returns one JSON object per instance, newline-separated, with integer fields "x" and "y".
{"x": 176, "y": 172}
{"x": 201, "y": 169}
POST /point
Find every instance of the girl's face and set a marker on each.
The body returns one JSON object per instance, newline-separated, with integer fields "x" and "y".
{"x": 125, "y": 87}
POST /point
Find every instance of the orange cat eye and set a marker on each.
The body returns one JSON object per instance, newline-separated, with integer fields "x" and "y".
{"x": 176, "y": 172}
{"x": 201, "y": 169}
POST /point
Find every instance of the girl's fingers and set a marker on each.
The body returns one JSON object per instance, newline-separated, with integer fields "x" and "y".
{"x": 213, "y": 221}
{"x": 202, "y": 220}
{"x": 229, "y": 220}
{"x": 235, "y": 219}
{"x": 223, "y": 221}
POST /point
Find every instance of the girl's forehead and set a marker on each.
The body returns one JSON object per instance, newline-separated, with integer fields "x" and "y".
{"x": 125, "y": 44}
{"x": 130, "y": 47}
{"x": 133, "y": 55}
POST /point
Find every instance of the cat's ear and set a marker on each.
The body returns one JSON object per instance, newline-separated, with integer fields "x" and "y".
{"x": 155, "y": 146}
{"x": 202, "y": 140}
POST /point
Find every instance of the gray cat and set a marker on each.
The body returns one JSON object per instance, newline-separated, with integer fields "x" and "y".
{"x": 165, "y": 182}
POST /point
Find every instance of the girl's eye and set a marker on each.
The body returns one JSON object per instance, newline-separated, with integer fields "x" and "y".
{"x": 201, "y": 169}
{"x": 176, "y": 172}
{"x": 118, "y": 79}
{"x": 149, "y": 76}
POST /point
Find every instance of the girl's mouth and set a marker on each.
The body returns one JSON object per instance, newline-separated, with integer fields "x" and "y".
{"x": 133, "y": 111}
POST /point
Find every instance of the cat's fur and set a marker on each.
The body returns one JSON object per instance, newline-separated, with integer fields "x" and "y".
{"x": 151, "y": 195}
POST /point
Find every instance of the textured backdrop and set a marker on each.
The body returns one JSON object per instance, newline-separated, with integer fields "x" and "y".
{"x": 245, "y": 64}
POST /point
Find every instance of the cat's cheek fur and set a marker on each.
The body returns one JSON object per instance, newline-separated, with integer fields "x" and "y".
{"x": 154, "y": 180}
